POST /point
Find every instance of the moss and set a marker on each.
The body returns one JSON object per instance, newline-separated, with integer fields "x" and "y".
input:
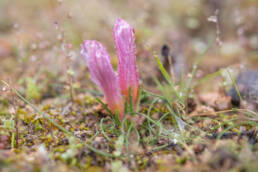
{"x": 4, "y": 102}
{"x": 32, "y": 90}
{"x": 90, "y": 100}
{"x": 181, "y": 160}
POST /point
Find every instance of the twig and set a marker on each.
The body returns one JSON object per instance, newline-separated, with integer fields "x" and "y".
{"x": 16, "y": 118}
{"x": 171, "y": 70}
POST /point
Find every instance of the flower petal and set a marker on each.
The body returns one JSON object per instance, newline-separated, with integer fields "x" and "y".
{"x": 102, "y": 73}
{"x": 127, "y": 71}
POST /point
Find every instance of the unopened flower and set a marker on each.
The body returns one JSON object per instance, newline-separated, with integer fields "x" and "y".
{"x": 127, "y": 71}
{"x": 101, "y": 70}
{"x": 102, "y": 74}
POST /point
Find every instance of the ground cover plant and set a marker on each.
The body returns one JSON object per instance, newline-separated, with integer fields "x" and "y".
{"x": 183, "y": 98}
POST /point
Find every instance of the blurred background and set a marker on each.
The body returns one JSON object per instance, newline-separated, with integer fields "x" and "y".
{"x": 40, "y": 40}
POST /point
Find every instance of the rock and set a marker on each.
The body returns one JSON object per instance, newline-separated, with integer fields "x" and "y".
{"x": 203, "y": 111}
{"x": 247, "y": 84}
{"x": 216, "y": 100}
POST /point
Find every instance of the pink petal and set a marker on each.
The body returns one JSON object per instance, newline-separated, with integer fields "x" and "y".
{"x": 102, "y": 73}
{"x": 127, "y": 70}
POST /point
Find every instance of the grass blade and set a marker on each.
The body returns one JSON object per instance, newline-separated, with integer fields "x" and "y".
{"x": 166, "y": 75}
{"x": 234, "y": 83}
{"x": 195, "y": 67}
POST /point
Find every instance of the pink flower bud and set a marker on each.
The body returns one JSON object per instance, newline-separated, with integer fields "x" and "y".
{"x": 127, "y": 70}
{"x": 102, "y": 74}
